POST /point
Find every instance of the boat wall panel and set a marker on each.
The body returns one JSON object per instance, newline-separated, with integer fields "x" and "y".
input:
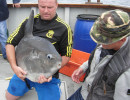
{"x": 74, "y": 12}
{"x": 69, "y": 14}
{"x": 16, "y": 16}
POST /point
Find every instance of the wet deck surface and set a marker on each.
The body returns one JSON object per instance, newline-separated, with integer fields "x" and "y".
{"x": 67, "y": 87}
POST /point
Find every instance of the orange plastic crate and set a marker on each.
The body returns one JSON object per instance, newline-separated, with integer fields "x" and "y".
{"x": 77, "y": 58}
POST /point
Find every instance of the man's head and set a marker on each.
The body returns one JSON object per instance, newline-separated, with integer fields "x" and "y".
{"x": 47, "y": 9}
{"x": 110, "y": 27}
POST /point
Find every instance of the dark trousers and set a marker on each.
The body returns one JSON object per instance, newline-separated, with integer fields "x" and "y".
{"x": 77, "y": 95}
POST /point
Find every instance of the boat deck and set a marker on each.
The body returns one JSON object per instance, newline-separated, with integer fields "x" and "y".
{"x": 67, "y": 86}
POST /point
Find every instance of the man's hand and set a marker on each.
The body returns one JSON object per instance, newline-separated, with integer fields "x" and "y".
{"x": 20, "y": 73}
{"x": 17, "y": 5}
{"x": 77, "y": 74}
{"x": 43, "y": 79}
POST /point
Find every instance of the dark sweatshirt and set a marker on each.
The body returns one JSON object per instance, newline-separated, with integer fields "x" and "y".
{"x": 4, "y": 12}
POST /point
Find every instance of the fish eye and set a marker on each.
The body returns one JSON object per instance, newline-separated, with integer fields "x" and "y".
{"x": 49, "y": 56}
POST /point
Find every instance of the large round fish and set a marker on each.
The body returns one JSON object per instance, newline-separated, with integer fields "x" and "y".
{"x": 36, "y": 55}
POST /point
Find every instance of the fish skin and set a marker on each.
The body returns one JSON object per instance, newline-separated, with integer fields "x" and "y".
{"x": 35, "y": 55}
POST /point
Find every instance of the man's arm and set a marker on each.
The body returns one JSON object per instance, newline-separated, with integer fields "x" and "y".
{"x": 65, "y": 60}
{"x": 10, "y": 51}
{"x": 84, "y": 66}
{"x": 16, "y": 3}
{"x": 79, "y": 72}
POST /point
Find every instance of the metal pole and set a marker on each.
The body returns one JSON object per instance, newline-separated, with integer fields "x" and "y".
{"x": 98, "y": 1}
{"x": 89, "y": 0}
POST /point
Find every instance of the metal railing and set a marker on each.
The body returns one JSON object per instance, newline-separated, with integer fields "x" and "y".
{"x": 89, "y": 1}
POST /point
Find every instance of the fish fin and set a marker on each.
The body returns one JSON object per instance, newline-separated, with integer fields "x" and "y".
{"x": 29, "y": 25}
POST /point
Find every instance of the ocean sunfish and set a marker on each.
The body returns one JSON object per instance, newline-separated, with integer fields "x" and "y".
{"x": 35, "y": 55}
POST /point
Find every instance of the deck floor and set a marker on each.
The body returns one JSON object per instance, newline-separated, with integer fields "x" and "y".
{"x": 68, "y": 87}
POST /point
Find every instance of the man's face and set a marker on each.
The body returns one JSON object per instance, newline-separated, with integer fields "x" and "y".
{"x": 47, "y": 9}
{"x": 114, "y": 46}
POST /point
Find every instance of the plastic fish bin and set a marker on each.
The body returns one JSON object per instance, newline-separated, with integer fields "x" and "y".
{"x": 77, "y": 58}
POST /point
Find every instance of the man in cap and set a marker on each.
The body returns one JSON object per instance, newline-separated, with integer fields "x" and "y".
{"x": 108, "y": 68}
